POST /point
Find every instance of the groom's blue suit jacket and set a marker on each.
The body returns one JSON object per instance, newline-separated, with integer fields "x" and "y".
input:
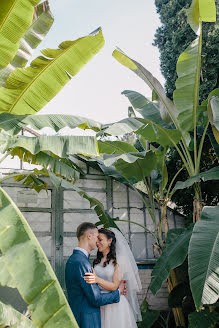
{"x": 85, "y": 299}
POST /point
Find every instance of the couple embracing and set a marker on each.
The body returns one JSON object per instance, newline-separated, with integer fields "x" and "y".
{"x": 97, "y": 295}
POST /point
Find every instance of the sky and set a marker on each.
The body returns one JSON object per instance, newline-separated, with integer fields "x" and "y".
{"x": 96, "y": 90}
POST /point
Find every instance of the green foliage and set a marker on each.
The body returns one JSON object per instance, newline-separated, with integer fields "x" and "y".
{"x": 212, "y": 174}
{"x": 9, "y": 317}
{"x": 177, "y": 295}
{"x": 174, "y": 254}
{"x": 57, "y": 165}
{"x": 15, "y": 18}
{"x": 41, "y": 24}
{"x": 13, "y": 124}
{"x": 29, "y": 89}
{"x": 175, "y": 35}
{"x": 148, "y": 316}
{"x": 61, "y": 146}
{"x": 137, "y": 165}
{"x": 203, "y": 319}
{"x": 30, "y": 270}
{"x": 203, "y": 258}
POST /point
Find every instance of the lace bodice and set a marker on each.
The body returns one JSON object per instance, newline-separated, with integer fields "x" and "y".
{"x": 105, "y": 273}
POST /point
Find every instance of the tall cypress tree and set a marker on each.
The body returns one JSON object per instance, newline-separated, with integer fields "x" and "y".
{"x": 175, "y": 35}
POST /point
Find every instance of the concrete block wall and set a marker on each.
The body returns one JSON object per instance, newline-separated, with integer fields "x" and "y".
{"x": 155, "y": 302}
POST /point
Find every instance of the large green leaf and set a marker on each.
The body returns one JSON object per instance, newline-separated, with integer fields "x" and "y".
{"x": 146, "y": 128}
{"x": 30, "y": 269}
{"x": 122, "y": 127}
{"x": 201, "y": 10}
{"x": 203, "y": 319}
{"x": 42, "y": 22}
{"x": 5, "y": 277}
{"x": 212, "y": 174}
{"x": 32, "y": 180}
{"x": 186, "y": 94}
{"x": 29, "y": 89}
{"x": 15, "y": 18}
{"x": 137, "y": 165}
{"x": 115, "y": 147}
{"x": 9, "y": 317}
{"x": 147, "y": 108}
{"x": 213, "y": 114}
{"x": 203, "y": 258}
{"x": 61, "y": 146}
{"x": 155, "y": 133}
{"x": 13, "y": 124}
{"x": 60, "y": 166}
{"x": 148, "y": 316}
{"x": 110, "y": 171}
{"x": 173, "y": 255}
{"x": 151, "y": 81}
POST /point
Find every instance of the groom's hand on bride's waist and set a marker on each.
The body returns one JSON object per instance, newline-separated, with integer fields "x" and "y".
{"x": 123, "y": 288}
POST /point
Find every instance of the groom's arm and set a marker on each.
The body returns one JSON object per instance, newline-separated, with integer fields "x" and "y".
{"x": 92, "y": 291}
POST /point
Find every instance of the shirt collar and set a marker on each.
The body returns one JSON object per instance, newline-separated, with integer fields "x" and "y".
{"x": 82, "y": 250}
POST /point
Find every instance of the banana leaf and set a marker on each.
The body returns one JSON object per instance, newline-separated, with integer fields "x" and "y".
{"x": 15, "y": 18}
{"x": 151, "y": 81}
{"x": 174, "y": 254}
{"x": 148, "y": 316}
{"x": 32, "y": 180}
{"x": 203, "y": 258}
{"x": 42, "y": 22}
{"x": 61, "y": 146}
{"x": 186, "y": 95}
{"x": 146, "y": 128}
{"x": 203, "y": 319}
{"x": 148, "y": 109}
{"x": 137, "y": 165}
{"x": 122, "y": 127}
{"x": 115, "y": 147}
{"x": 30, "y": 269}
{"x": 201, "y": 10}
{"x": 63, "y": 167}
{"x": 212, "y": 174}
{"x": 9, "y": 317}
{"x": 13, "y": 124}
{"x": 213, "y": 114}
{"x": 29, "y": 89}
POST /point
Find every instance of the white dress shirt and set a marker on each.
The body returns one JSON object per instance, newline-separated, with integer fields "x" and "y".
{"x": 82, "y": 250}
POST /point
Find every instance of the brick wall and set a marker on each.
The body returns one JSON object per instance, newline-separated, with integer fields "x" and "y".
{"x": 158, "y": 301}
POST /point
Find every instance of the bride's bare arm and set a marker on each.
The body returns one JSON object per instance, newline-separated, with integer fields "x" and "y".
{"x": 92, "y": 278}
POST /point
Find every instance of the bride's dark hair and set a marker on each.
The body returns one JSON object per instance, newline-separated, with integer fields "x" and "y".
{"x": 112, "y": 253}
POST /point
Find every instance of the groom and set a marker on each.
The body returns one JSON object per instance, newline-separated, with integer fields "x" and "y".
{"x": 85, "y": 299}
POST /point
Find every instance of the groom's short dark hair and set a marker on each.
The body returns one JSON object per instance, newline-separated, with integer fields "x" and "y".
{"x": 83, "y": 227}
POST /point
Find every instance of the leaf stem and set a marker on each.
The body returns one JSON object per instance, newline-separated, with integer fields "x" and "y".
{"x": 196, "y": 98}
{"x": 201, "y": 147}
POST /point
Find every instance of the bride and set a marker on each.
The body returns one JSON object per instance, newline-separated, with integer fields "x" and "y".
{"x": 115, "y": 262}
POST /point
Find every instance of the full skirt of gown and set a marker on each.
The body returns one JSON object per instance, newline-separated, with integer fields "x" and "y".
{"x": 117, "y": 315}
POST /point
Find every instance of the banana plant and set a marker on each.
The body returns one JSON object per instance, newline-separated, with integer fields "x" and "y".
{"x": 15, "y": 18}
{"x": 25, "y": 266}
{"x": 41, "y": 24}
{"x": 24, "y": 91}
{"x": 172, "y": 123}
{"x": 9, "y": 317}
{"x": 184, "y": 112}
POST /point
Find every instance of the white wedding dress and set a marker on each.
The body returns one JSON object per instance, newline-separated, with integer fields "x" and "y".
{"x": 117, "y": 315}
